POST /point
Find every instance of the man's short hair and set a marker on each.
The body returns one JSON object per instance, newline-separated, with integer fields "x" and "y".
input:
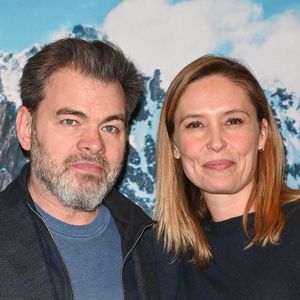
{"x": 101, "y": 60}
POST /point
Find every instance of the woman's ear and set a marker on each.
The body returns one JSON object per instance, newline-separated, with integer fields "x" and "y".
{"x": 264, "y": 127}
{"x": 176, "y": 153}
{"x": 23, "y": 125}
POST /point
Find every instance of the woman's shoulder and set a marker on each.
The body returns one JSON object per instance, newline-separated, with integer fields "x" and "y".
{"x": 291, "y": 208}
{"x": 292, "y": 213}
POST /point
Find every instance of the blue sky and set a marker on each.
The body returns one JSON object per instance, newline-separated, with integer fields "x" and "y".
{"x": 23, "y": 23}
{"x": 169, "y": 34}
{"x": 272, "y": 7}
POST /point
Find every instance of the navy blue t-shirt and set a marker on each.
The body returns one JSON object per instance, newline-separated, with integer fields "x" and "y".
{"x": 92, "y": 254}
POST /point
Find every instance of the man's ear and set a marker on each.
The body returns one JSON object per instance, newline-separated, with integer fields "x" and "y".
{"x": 176, "y": 153}
{"x": 23, "y": 125}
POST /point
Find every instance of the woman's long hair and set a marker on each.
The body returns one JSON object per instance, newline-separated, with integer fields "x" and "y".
{"x": 180, "y": 207}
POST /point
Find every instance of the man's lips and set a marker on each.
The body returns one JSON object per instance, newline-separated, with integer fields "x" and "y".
{"x": 91, "y": 167}
{"x": 221, "y": 164}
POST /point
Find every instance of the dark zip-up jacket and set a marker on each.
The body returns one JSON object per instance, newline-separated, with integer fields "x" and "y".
{"x": 31, "y": 266}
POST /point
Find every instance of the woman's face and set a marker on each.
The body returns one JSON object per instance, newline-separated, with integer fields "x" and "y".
{"x": 217, "y": 136}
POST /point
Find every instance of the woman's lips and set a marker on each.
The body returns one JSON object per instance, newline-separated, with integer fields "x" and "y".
{"x": 221, "y": 164}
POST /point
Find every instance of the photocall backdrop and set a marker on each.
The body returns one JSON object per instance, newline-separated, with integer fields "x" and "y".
{"x": 161, "y": 37}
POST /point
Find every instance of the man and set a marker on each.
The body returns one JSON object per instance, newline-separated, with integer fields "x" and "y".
{"x": 65, "y": 233}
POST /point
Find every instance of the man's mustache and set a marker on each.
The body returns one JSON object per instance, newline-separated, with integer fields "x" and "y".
{"x": 72, "y": 159}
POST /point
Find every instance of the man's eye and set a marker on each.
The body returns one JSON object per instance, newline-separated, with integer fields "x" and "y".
{"x": 69, "y": 122}
{"x": 234, "y": 121}
{"x": 111, "y": 129}
{"x": 194, "y": 124}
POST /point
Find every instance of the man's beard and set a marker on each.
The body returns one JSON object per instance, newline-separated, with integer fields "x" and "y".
{"x": 79, "y": 191}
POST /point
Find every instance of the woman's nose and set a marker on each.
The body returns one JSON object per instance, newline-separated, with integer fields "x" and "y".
{"x": 216, "y": 139}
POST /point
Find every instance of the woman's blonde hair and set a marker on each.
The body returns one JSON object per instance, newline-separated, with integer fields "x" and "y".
{"x": 180, "y": 208}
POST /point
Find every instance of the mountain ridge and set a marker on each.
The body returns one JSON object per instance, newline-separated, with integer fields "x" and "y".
{"x": 138, "y": 177}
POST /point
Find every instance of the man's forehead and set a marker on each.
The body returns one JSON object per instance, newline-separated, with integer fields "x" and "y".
{"x": 81, "y": 114}
{"x": 72, "y": 73}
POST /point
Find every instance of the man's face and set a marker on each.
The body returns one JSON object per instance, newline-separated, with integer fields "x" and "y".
{"x": 78, "y": 139}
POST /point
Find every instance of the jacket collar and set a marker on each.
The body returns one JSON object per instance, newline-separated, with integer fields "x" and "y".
{"x": 130, "y": 219}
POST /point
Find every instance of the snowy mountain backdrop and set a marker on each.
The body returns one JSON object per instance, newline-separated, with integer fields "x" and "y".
{"x": 137, "y": 180}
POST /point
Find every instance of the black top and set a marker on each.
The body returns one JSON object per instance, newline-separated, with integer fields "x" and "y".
{"x": 31, "y": 266}
{"x": 270, "y": 272}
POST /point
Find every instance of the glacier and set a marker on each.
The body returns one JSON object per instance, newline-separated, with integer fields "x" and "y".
{"x": 137, "y": 180}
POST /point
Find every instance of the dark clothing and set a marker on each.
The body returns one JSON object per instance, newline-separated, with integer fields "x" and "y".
{"x": 269, "y": 273}
{"x": 31, "y": 266}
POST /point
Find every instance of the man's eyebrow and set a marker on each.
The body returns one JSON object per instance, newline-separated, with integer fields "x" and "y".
{"x": 74, "y": 112}
{"x": 120, "y": 117}
{"x": 70, "y": 111}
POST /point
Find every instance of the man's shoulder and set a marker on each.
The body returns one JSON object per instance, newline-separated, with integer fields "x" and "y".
{"x": 17, "y": 190}
{"x": 14, "y": 213}
{"x": 125, "y": 209}
{"x": 9, "y": 196}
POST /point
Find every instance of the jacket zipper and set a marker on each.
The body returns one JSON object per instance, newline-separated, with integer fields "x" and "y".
{"x": 129, "y": 252}
{"x": 68, "y": 273}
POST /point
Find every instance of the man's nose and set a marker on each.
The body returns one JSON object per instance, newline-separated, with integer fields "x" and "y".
{"x": 91, "y": 142}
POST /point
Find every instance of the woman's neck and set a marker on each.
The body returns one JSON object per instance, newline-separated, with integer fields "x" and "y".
{"x": 227, "y": 206}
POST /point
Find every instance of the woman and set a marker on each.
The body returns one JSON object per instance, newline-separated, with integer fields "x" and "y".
{"x": 222, "y": 204}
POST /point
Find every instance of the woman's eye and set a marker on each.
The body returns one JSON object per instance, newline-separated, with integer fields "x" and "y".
{"x": 234, "y": 121}
{"x": 194, "y": 124}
